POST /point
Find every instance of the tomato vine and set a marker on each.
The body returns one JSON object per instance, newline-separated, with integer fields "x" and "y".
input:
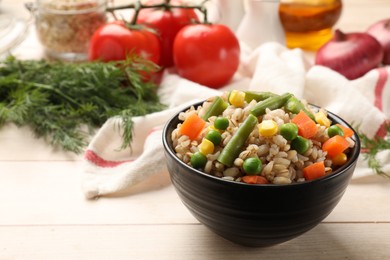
{"x": 166, "y": 5}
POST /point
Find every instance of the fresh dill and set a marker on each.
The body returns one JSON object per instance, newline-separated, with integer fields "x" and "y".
{"x": 65, "y": 102}
{"x": 371, "y": 147}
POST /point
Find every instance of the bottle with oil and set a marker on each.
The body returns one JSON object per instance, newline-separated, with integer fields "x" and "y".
{"x": 308, "y": 23}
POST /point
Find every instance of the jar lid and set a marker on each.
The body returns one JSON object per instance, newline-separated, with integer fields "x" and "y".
{"x": 12, "y": 32}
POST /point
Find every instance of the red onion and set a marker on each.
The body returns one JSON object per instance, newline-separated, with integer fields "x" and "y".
{"x": 381, "y": 31}
{"x": 350, "y": 54}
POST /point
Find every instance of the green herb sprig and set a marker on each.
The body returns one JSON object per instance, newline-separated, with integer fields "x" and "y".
{"x": 65, "y": 102}
{"x": 371, "y": 147}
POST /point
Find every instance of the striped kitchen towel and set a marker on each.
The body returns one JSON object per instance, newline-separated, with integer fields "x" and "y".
{"x": 363, "y": 102}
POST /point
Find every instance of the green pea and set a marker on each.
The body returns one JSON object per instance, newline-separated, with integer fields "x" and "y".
{"x": 252, "y": 166}
{"x": 300, "y": 144}
{"x": 221, "y": 123}
{"x": 335, "y": 130}
{"x": 198, "y": 160}
{"x": 289, "y": 131}
{"x": 214, "y": 136}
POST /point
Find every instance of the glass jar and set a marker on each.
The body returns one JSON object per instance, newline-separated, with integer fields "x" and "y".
{"x": 308, "y": 23}
{"x": 64, "y": 27}
{"x": 13, "y": 31}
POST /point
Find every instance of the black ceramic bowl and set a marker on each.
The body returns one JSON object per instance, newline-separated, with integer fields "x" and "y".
{"x": 257, "y": 215}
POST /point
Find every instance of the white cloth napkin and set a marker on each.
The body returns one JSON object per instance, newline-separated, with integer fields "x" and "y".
{"x": 271, "y": 67}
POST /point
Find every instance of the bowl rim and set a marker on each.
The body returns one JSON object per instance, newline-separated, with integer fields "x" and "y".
{"x": 329, "y": 177}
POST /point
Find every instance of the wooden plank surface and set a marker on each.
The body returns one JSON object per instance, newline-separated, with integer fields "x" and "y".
{"x": 192, "y": 241}
{"x": 31, "y": 190}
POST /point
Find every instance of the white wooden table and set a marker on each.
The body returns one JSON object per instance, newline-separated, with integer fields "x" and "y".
{"x": 44, "y": 215}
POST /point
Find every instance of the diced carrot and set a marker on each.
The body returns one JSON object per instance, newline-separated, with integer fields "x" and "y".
{"x": 306, "y": 126}
{"x": 335, "y": 145}
{"x": 348, "y": 132}
{"x": 254, "y": 179}
{"x": 314, "y": 171}
{"x": 192, "y": 126}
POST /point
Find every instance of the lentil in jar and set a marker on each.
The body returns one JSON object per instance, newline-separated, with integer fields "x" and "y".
{"x": 65, "y": 27}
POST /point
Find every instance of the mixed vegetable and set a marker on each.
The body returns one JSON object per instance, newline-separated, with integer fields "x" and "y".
{"x": 158, "y": 31}
{"x": 299, "y": 132}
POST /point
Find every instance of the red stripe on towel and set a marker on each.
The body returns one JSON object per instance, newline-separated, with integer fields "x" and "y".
{"x": 382, "y": 131}
{"x": 380, "y": 85}
{"x": 99, "y": 161}
{"x": 153, "y": 130}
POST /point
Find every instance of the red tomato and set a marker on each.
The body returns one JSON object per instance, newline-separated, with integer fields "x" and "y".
{"x": 113, "y": 41}
{"x": 167, "y": 23}
{"x": 206, "y": 54}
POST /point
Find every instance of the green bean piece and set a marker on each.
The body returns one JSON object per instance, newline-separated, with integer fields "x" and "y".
{"x": 252, "y": 166}
{"x": 233, "y": 148}
{"x": 258, "y": 96}
{"x": 310, "y": 114}
{"x": 221, "y": 123}
{"x": 198, "y": 160}
{"x": 335, "y": 130}
{"x": 289, "y": 131}
{"x": 300, "y": 144}
{"x": 271, "y": 103}
{"x": 294, "y": 105}
{"x": 214, "y": 136}
{"x": 216, "y": 108}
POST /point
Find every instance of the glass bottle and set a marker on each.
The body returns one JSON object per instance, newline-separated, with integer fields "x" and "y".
{"x": 230, "y": 12}
{"x": 308, "y": 23}
{"x": 260, "y": 23}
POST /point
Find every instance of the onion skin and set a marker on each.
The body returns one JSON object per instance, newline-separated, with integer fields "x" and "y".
{"x": 381, "y": 31}
{"x": 350, "y": 54}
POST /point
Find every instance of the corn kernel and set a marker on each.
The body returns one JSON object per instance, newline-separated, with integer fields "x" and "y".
{"x": 237, "y": 98}
{"x": 206, "y": 147}
{"x": 212, "y": 127}
{"x": 339, "y": 159}
{"x": 322, "y": 119}
{"x": 268, "y": 128}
